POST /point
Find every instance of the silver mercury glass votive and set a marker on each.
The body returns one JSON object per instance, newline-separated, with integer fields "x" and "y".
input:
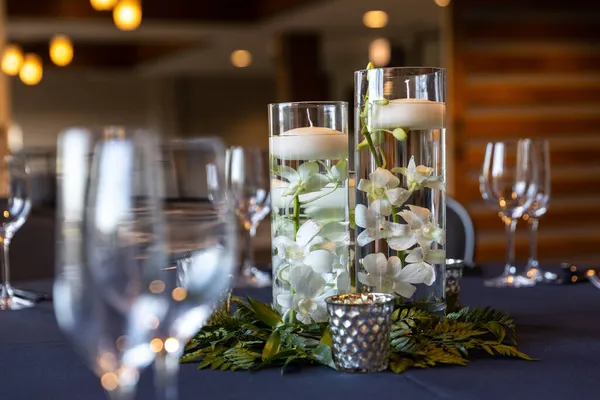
{"x": 360, "y": 327}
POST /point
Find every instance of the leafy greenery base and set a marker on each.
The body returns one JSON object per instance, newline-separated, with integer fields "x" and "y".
{"x": 256, "y": 337}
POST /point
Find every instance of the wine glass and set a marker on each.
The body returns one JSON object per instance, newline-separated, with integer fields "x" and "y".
{"x": 539, "y": 206}
{"x": 247, "y": 180}
{"x": 15, "y": 206}
{"x": 508, "y": 182}
{"x": 201, "y": 240}
{"x": 104, "y": 300}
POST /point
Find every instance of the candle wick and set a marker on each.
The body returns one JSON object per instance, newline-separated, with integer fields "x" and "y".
{"x": 309, "y": 120}
{"x": 407, "y": 88}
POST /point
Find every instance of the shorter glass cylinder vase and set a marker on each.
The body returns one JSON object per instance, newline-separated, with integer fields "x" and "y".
{"x": 309, "y": 199}
{"x": 400, "y": 173}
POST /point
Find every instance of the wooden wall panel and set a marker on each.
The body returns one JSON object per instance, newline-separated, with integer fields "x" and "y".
{"x": 530, "y": 69}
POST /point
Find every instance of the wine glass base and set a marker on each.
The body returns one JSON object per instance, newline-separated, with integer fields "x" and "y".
{"x": 16, "y": 299}
{"x": 509, "y": 281}
{"x": 252, "y": 277}
{"x": 539, "y": 275}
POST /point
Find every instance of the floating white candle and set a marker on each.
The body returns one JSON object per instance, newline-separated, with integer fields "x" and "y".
{"x": 414, "y": 114}
{"x": 337, "y": 198}
{"x": 310, "y": 143}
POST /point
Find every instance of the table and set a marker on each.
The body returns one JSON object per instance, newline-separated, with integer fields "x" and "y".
{"x": 560, "y": 325}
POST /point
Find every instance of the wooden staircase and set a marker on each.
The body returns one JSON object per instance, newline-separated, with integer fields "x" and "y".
{"x": 530, "y": 69}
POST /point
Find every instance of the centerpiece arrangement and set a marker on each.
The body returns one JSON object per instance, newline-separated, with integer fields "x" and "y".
{"x": 397, "y": 320}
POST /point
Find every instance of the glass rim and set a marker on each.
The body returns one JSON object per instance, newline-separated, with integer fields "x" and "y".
{"x": 375, "y": 299}
{"x": 430, "y": 70}
{"x": 309, "y": 103}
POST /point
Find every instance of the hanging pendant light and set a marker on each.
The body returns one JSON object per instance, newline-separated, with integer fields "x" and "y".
{"x": 12, "y": 59}
{"x": 32, "y": 70}
{"x": 128, "y": 15}
{"x": 61, "y": 50}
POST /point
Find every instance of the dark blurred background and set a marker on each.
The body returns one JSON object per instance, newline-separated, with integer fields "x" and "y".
{"x": 515, "y": 69}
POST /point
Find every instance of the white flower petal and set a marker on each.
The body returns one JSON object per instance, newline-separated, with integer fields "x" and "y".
{"x": 363, "y": 217}
{"x": 398, "y": 196}
{"x": 394, "y": 266}
{"x": 343, "y": 282}
{"x": 308, "y": 169}
{"x": 401, "y": 243}
{"x": 394, "y": 229}
{"x": 365, "y": 185}
{"x": 320, "y": 261}
{"x": 404, "y": 289}
{"x": 313, "y": 287}
{"x": 417, "y": 273}
{"x": 375, "y": 263}
{"x": 307, "y": 232}
{"x": 415, "y": 256}
{"x": 381, "y": 207}
{"x": 380, "y": 177}
{"x": 425, "y": 171}
{"x": 320, "y": 314}
{"x": 421, "y": 212}
{"x": 288, "y": 173}
{"x": 365, "y": 237}
{"x": 315, "y": 183}
{"x": 401, "y": 170}
{"x": 435, "y": 183}
{"x": 284, "y": 245}
{"x": 285, "y": 300}
{"x": 412, "y": 167}
{"x": 339, "y": 171}
{"x": 299, "y": 275}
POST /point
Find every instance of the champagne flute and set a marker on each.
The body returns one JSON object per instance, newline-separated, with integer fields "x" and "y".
{"x": 201, "y": 241}
{"x": 247, "y": 180}
{"x": 508, "y": 182}
{"x": 538, "y": 208}
{"x": 15, "y": 205}
{"x": 106, "y": 189}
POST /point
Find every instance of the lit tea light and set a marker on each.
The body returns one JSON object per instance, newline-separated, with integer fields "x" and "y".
{"x": 310, "y": 143}
{"x": 414, "y": 114}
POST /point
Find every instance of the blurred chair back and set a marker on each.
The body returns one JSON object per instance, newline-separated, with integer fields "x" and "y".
{"x": 460, "y": 232}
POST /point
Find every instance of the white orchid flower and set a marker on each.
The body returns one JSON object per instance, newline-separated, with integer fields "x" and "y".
{"x": 306, "y": 180}
{"x": 377, "y": 227}
{"x": 308, "y": 248}
{"x": 422, "y": 262}
{"x": 387, "y": 275}
{"x": 308, "y": 299}
{"x": 383, "y": 191}
{"x": 419, "y": 176}
{"x": 381, "y": 272}
{"x": 422, "y": 230}
{"x": 339, "y": 172}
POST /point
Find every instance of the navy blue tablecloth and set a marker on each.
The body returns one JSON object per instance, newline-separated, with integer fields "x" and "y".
{"x": 560, "y": 325}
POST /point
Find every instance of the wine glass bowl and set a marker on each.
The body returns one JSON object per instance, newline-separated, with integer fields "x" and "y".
{"x": 541, "y": 152}
{"x": 107, "y": 191}
{"x": 201, "y": 245}
{"x": 508, "y": 182}
{"x": 248, "y": 183}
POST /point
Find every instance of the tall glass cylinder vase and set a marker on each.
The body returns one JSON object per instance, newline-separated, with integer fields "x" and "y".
{"x": 400, "y": 173}
{"x": 309, "y": 198}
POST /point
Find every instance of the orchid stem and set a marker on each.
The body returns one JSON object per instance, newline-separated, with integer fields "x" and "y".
{"x": 296, "y": 218}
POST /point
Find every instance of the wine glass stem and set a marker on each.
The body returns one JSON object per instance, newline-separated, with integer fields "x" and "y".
{"x": 249, "y": 248}
{"x": 5, "y": 269}
{"x": 166, "y": 369}
{"x": 533, "y": 229}
{"x": 511, "y": 225}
